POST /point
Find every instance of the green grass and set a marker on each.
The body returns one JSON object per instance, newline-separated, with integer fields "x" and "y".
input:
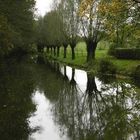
{"x": 125, "y": 67}
{"x": 80, "y": 54}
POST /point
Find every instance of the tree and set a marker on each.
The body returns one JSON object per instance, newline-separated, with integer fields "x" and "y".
{"x": 121, "y": 19}
{"x": 53, "y": 30}
{"x": 6, "y": 34}
{"x": 40, "y": 34}
{"x": 19, "y": 17}
{"x": 71, "y": 21}
{"x": 63, "y": 12}
{"x": 91, "y": 26}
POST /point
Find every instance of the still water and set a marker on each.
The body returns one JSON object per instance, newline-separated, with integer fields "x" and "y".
{"x": 56, "y": 102}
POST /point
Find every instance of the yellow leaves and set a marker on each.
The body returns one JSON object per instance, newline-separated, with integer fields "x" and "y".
{"x": 113, "y": 7}
{"x": 116, "y": 6}
{"x": 85, "y": 7}
{"x": 137, "y": 34}
{"x": 103, "y": 8}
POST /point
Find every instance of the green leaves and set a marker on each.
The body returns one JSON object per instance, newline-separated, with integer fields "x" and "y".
{"x": 16, "y": 23}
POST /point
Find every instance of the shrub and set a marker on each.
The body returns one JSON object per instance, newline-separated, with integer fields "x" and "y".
{"x": 106, "y": 67}
{"x": 130, "y": 53}
{"x": 106, "y": 79}
{"x": 111, "y": 50}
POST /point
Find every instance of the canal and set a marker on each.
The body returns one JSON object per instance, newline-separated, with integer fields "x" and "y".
{"x": 56, "y": 102}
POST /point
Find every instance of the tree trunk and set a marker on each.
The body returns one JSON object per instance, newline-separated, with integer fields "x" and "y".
{"x": 65, "y": 51}
{"x": 47, "y": 49}
{"x": 51, "y": 50}
{"x": 40, "y": 48}
{"x": 65, "y": 73}
{"x": 91, "y": 84}
{"x": 73, "y": 52}
{"x": 40, "y": 59}
{"x": 58, "y": 51}
{"x": 73, "y": 82}
{"x": 54, "y": 50}
{"x": 73, "y": 45}
{"x": 91, "y": 48}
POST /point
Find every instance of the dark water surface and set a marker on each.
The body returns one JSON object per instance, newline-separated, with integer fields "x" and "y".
{"x": 56, "y": 102}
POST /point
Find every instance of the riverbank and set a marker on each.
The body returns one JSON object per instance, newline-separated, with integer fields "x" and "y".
{"x": 122, "y": 67}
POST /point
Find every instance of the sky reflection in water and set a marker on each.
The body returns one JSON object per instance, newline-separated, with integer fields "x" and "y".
{"x": 43, "y": 120}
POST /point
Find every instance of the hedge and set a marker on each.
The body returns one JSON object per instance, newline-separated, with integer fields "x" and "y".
{"x": 130, "y": 53}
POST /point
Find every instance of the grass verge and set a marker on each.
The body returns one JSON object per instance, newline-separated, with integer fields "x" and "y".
{"x": 123, "y": 67}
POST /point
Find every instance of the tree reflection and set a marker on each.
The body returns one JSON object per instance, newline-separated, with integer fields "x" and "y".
{"x": 72, "y": 81}
{"x": 65, "y": 73}
{"x": 16, "y": 87}
{"x": 110, "y": 112}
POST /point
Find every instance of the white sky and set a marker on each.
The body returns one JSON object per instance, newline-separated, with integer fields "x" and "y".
{"x": 43, "y": 6}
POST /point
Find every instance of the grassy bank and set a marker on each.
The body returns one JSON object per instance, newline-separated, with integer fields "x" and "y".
{"x": 123, "y": 67}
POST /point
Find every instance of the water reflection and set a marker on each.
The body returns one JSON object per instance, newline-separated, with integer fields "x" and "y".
{"x": 57, "y": 102}
{"x": 16, "y": 88}
{"x": 43, "y": 121}
{"x": 103, "y": 111}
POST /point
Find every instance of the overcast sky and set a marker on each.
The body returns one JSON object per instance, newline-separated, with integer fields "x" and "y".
{"x": 43, "y": 6}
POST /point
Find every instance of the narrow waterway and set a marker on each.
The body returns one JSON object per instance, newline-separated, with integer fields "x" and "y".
{"x": 56, "y": 102}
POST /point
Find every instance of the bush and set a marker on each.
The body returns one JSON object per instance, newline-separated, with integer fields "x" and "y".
{"x": 106, "y": 67}
{"x": 130, "y": 53}
{"x": 106, "y": 79}
{"x": 111, "y": 50}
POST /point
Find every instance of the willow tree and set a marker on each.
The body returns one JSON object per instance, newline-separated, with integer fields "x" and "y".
{"x": 63, "y": 12}
{"x": 69, "y": 10}
{"x": 91, "y": 26}
{"x": 40, "y": 34}
{"x": 54, "y": 31}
